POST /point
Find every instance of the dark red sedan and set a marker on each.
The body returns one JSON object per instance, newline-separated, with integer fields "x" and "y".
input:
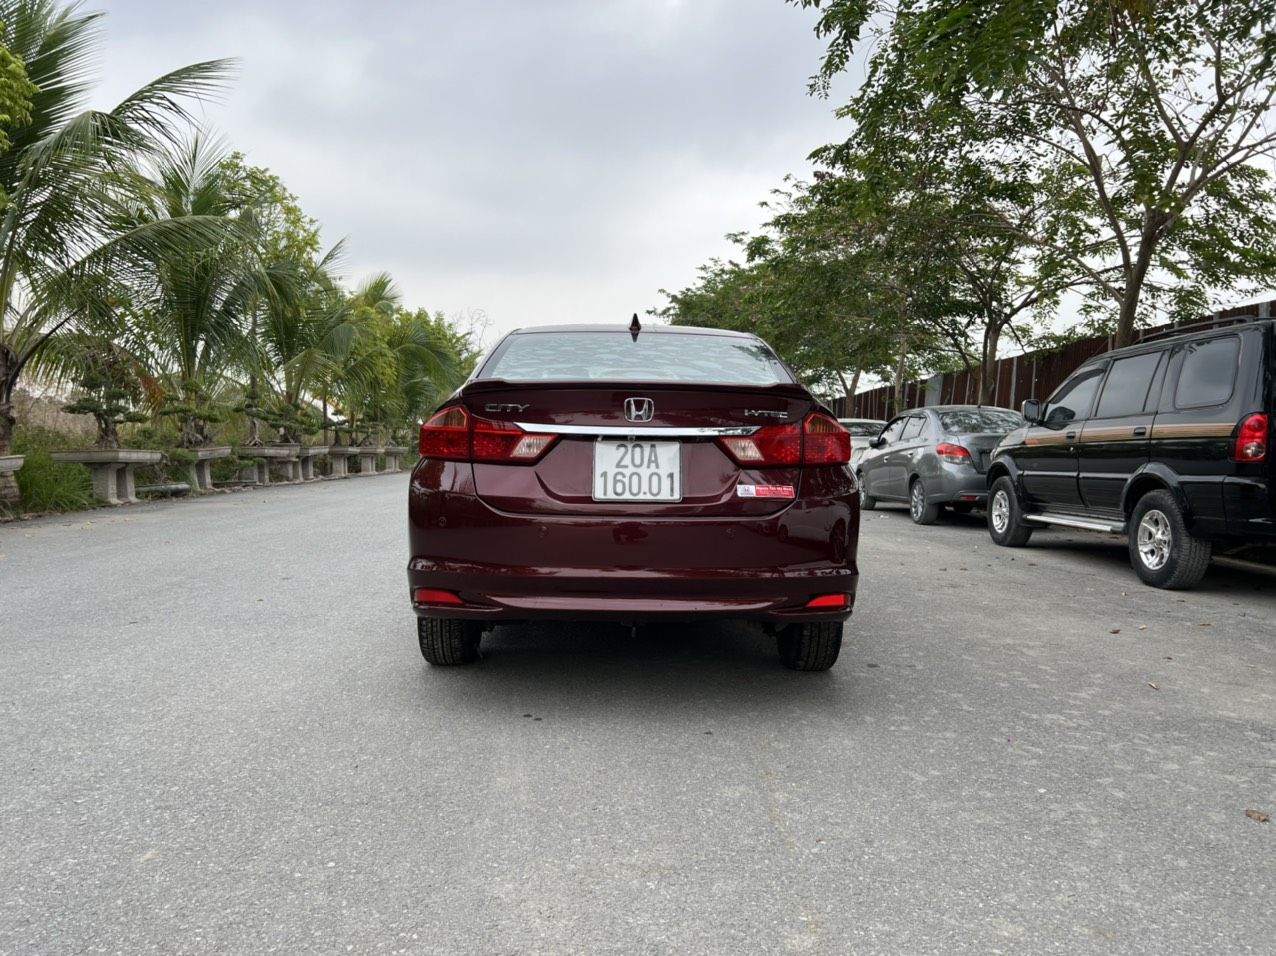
{"x": 621, "y": 474}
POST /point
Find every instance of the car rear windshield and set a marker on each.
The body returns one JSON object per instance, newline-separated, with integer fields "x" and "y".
{"x": 618, "y": 357}
{"x": 863, "y": 429}
{"x": 975, "y": 420}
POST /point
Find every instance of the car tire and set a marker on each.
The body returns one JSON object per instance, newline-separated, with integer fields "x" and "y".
{"x": 1163, "y": 552}
{"x": 810, "y": 647}
{"x": 447, "y": 642}
{"x": 918, "y": 509}
{"x": 867, "y": 501}
{"x": 1005, "y": 515}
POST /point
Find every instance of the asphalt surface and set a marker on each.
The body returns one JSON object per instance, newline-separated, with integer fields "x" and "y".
{"x": 219, "y": 737}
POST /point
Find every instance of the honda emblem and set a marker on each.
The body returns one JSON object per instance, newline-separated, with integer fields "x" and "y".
{"x": 639, "y": 410}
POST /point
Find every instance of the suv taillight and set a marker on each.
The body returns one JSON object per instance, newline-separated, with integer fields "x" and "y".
{"x": 819, "y": 440}
{"x": 454, "y": 435}
{"x": 1251, "y": 439}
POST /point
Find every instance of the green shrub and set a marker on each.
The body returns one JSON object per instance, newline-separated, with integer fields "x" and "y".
{"x": 47, "y": 486}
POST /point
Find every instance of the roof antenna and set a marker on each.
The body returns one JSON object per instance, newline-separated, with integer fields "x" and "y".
{"x": 635, "y": 327}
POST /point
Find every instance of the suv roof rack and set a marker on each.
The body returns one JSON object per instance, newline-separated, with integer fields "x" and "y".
{"x": 1203, "y": 325}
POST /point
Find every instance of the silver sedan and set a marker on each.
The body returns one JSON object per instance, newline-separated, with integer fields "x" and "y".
{"x": 934, "y": 457}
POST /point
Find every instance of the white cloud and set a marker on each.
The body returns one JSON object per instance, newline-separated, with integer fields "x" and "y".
{"x": 551, "y": 161}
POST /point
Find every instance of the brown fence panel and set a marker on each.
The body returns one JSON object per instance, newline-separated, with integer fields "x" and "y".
{"x": 1016, "y": 379}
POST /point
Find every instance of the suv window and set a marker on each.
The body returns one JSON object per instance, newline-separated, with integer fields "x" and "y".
{"x": 1208, "y": 374}
{"x": 1073, "y": 400}
{"x": 914, "y": 427}
{"x": 1126, "y": 390}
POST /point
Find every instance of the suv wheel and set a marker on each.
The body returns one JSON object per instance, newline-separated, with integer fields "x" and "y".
{"x": 918, "y": 509}
{"x": 1164, "y": 553}
{"x": 810, "y": 647}
{"x": 445, "y": 642}
{"x": 867, "y": 501}
{"x": 1005, "y": 516}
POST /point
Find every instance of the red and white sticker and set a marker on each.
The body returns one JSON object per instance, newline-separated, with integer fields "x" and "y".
{"x": 764, "y": 491}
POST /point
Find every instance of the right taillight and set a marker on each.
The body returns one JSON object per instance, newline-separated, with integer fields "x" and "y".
{"x": 819, "y": 440}
{"x": 453, "y": 435}
{"x": 772, "y": 446}
{"x": 1251, "y": 439}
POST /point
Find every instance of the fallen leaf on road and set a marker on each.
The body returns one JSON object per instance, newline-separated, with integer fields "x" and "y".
{"x": 1258, "y": 816}
{"x": 1115, "y": 630}
{"x": 1143, "y": 627}
{"x": 1202, "y": 625}
{"x": 1153, "y": 686}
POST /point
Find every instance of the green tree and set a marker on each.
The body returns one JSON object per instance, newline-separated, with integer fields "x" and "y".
{"x": 1150, "y": 121}
{"x": 65, "y": 177}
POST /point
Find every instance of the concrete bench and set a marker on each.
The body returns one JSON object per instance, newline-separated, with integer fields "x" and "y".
{"x": 287, "y": 457}
{"x": 339, "y": 460}
{"x": 392, "y": 455}
{"x": 201, "y": 479}
{"x": 367, "y": 455}
{"x": 308, "y": 458}
{"x": 111, "y": 469}
{"x": 10, "y": 463}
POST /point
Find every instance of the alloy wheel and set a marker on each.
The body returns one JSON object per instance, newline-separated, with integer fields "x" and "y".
{"x": 917, "y": 501}
{"x": 1154, "y": 540}
{"x": 1000, "y": 512}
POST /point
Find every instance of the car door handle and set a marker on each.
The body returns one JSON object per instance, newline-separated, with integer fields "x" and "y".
{"x": 1070, "y": 436}
{"x": 1141, "y": 431}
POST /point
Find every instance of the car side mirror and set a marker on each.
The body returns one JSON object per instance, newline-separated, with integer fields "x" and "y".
{"x": 877, "y": 442}
{"x": 1032, "y": 411}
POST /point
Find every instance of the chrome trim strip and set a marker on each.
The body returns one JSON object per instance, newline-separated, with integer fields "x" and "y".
{"x": 635, "y": 431}
{"x": 1083, "y": 524}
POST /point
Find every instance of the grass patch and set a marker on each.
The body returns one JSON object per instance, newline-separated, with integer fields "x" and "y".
{"x": 45, "y": 485}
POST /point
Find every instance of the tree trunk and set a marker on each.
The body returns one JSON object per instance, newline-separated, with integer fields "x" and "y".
{"x": 8, "y": 369}
{"x": 1133, "y": 290}
{"x": 988, "y": 365}
{"x": 897, "y": 400}
{"x": 850, "y": 395}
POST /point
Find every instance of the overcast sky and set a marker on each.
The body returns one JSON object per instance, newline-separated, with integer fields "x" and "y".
{"x": 540, "y": 160}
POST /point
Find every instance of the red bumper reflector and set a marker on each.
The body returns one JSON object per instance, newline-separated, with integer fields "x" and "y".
{"x": 433, "y": 596}
{"x": 969, "y": 497}
{"x": 828, "y": 600}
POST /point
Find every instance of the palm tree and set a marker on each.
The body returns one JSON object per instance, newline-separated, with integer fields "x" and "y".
{"x": 198, "y": 302}
{"x": 67, "y": 177}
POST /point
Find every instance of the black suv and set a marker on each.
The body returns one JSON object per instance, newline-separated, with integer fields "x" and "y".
{"x": 1169, "y": 440}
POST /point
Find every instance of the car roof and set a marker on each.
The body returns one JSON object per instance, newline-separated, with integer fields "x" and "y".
{"x": 1161, "y": 342}
{"x": 621, "y": 328}
{"x": 957, "y": 408}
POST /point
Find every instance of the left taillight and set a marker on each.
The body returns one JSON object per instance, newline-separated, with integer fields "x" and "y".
{"x": 954, "y": 454}
{"x": 446, "y": 436}
{"x": 454, "y": 435}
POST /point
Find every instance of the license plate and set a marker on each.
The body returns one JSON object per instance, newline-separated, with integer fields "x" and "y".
{"x": 637, "y": 470}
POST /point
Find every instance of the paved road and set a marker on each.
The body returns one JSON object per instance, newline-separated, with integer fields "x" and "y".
{"x": 219, "y": 738}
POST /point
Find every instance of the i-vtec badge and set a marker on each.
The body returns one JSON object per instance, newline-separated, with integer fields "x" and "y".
{"x": 505, "y": 408}
{"x": 763, "y": 413}
{"x": 639, "y": 410}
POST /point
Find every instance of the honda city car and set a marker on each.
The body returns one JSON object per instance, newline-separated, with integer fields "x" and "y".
{"x": 630, "y": 475}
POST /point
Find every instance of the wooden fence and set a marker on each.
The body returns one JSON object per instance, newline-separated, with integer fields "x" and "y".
{"x": 1017, "y": 379}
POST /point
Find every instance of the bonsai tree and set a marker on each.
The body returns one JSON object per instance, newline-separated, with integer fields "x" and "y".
{"x": 110, "y": 394}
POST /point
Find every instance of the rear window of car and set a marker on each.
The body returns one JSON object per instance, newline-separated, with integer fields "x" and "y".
{"x": 1208, "y": 374}
{"x": 618, "y": 357}
{"x": 976, "y": 420}
{"x": 863, "y": 429}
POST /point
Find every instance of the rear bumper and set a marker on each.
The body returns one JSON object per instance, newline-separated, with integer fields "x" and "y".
{"x": 508, "y": 567}
{"x": 951, "y": 484}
